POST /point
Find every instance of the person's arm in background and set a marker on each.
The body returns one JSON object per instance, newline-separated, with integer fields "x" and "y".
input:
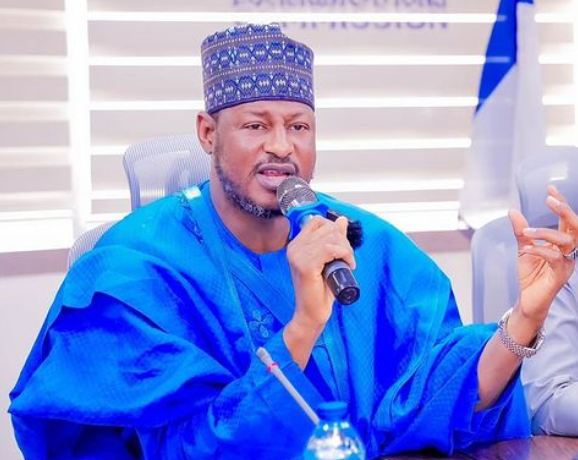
{"x": 551, "y": 377}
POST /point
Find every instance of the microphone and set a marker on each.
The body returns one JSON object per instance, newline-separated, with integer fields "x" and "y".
{"x": 274, "y": 369}
{"x": 299, "y": 204}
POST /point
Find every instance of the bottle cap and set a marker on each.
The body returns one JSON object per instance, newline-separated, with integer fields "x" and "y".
{"x": 332, "y": 411}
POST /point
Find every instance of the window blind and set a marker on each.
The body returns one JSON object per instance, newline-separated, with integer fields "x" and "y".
{"x": 35, "y": 179}
{"x": 396, "y": 87}
{"x": 395, "y": 98}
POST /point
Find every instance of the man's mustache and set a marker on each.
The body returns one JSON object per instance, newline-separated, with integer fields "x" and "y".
{"x": 272, "y": 159}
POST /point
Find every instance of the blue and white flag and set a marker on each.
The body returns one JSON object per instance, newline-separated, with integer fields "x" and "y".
{"x": 509, "y": 123}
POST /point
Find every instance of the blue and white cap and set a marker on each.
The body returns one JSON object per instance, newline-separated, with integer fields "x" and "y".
{"x": 253, "y": 63}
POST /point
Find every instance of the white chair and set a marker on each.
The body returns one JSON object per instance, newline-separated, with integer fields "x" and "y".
{"x": 87, "y": 241}
{"x": 494, "y": 247}
{"x": 558, "y": 167}
{"x": 164, "y": 165}
{"x": 154, "y": 168}
{"x": 494, "y": 268}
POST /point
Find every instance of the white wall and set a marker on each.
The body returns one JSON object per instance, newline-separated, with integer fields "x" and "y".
{"x": 458, "y": 266}
{"x": 82, "y": 79}
{"x": 24, "y": 300}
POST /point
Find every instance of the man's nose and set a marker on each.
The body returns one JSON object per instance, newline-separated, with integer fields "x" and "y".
{"x": 278, "y": 143}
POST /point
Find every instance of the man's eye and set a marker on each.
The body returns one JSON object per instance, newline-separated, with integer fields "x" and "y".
{"x": 300, "y": 127}
{"x": 255, "y": 126}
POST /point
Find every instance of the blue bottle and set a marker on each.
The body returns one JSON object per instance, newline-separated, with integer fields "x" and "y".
{"x": 334, "y": 438}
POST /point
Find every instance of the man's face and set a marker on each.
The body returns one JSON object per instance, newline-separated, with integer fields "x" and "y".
{"x": 259, "y": 144}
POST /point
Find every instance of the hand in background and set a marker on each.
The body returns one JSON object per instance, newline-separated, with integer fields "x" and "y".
{"x": 542, "y": 272}
{"x": 542, "y": 267}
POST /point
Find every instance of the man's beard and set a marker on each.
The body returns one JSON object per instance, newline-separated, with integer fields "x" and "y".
{"x": 235, "y": 195}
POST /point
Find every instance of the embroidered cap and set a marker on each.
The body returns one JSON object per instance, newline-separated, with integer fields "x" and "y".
{"x": 255, "y": 62}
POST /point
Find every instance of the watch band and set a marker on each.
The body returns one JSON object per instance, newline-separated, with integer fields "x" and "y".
{"x": 516, "y": 348}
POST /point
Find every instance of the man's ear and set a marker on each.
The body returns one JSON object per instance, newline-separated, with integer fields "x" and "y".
{"x": 206, "y": 127}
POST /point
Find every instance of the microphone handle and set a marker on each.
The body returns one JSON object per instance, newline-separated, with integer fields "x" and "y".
{"x": 338, "y": 276}
{"x": 341, "y": 281}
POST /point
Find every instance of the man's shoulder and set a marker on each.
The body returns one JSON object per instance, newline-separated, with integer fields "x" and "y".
{"x": 149, "y": 222}
{"x": 381, "y": 239}
{"x": 370, "y": 222}
{"x": 157, "y": 233}
{"x": 152, "y": 244}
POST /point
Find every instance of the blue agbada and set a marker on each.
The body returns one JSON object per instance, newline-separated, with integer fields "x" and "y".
{"x": 148, "y": 350}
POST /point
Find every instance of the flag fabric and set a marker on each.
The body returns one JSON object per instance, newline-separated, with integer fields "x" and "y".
{"x": 509, "y": 122}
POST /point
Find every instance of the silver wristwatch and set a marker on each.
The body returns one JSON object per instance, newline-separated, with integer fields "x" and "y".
{"x": 516, "y": 348}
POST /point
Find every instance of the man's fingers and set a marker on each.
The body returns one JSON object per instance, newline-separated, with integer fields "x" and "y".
{"x": 327, "y": 230}
{"x": 519, "y": 223}
{"x": 342, "y": 223}
{"x": 314, "y": 223}
{"x": 337, "y": 251}
{"x": 553, "y": 191}
{"x": 555, "y": 237}
{"x": 327, "y": 239}
{"x": 548, "y": 253}
{"x": 563, "y": 209}
{"x": 320, "y": 229}
{"x": 568, "y": 219}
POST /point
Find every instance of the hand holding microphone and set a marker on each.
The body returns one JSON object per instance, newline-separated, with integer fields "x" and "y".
{"x": 324, "y": 242}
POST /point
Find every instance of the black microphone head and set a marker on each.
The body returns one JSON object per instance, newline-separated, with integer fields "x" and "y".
{"x": 293, "y": 192}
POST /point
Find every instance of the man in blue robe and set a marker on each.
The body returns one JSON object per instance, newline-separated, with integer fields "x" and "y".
{"x": 148, "y": 351}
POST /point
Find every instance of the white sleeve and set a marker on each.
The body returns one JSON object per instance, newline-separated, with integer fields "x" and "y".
{"x": 551, "y": 376}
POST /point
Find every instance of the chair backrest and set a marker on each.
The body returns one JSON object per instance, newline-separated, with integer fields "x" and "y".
{"x": 559, "y": 166}
{"x": 494, "y": 267}
{"x": 86, "y": 241}
{"x": 164, "y": 165}
{"x": 494, "y": 247}
{"x": 154, "y": 168}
